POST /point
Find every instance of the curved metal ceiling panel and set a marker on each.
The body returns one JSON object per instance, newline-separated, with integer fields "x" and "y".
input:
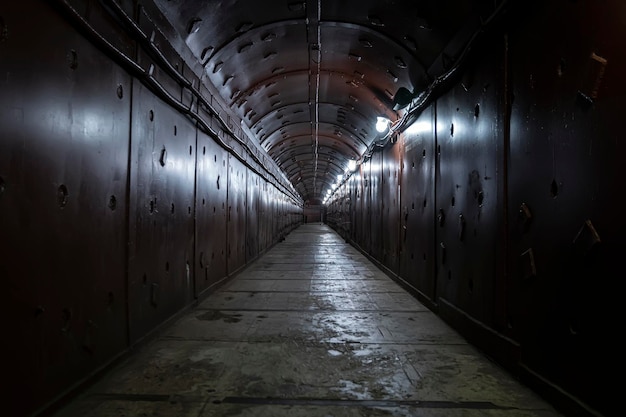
{"x": 309, "y": 78}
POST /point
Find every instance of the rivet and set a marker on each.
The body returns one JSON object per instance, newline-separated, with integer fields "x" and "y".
{"x": 268, "y": 37}
{"x": 205, "y": 52}
{"x": 244, "y": 26}
{"x": 4, "y": 30}
{"x": 461, "y": 227}
{"x": 400, "y": 62}
{"x": 554, "y": 189}
{"x": 112, "y": 203}
{"x": 120, "y": 91}
{"x": 375, "y": 20}
{"x": 72, "y": 59}
{"x": 163, "y": 157}
{"x": 411, "y": 42}
{"x": 244, "y": 47}
{"x": 194, "y": 25}
{"x": 62, "y": 195}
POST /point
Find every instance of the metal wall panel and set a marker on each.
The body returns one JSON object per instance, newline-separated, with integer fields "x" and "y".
{"x": 252, "y": 216}
{"x": 375, "y": 206}
{"x": 236, "y": 214}
{"x": 363, "y": 217}
{"x": 353, "y": 202}
{"x": 467, "y": 214}
{"x": 63, "y": 171}
{"x": 97, "y": 214}
{"x": 566, "y": 178}
{"x": 161, "y": 259}
{"x": 417, "y": 219}
{"x": 211, "y": 213}
{"x": 390, "y": 188}
{"x": 264, "y": 220}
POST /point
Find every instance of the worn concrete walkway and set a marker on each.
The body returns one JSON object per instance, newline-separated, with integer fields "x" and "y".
{"x": 310, "y": 329}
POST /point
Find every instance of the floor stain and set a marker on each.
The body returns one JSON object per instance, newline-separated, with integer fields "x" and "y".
{"x": 212, "y": 315}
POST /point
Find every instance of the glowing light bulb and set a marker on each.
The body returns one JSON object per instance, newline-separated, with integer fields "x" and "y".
{"x": 382, "y": 123}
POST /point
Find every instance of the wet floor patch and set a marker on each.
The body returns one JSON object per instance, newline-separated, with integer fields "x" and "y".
{"x": 213, "y": 315}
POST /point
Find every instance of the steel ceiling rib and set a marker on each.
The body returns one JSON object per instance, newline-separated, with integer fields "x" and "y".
{"x": 387, "y": 39}
{"x": 263, "y": 28}
{"x": 265, "y": 83}
{"x": 342, "y": 129}
{"x": 290, "y": 153}
{"x": 354, "y": 151}
{"x": 355, "y": 114}
{"x": 294, "y": 167}
{"x": 289, "y": 167}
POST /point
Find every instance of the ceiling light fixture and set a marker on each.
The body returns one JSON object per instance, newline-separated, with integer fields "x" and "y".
{"x": 382, "y": 124}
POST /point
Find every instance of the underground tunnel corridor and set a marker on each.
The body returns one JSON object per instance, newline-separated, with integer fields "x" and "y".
{"x": 376, "y": 206}
{"x": 311, "y": 328}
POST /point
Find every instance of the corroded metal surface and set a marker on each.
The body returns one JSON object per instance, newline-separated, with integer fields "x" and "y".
{"x": 162, "y": 207}
{"x": 469, "y": 161}
{"x": 417, "y": 219}
{"x": 211, "y": 213}
{"x": 64, "y": 126}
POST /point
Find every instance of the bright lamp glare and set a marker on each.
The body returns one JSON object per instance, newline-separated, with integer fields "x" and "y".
{"x": 334, "y": 186}
{"x": 339, "y": 177}
{"x": 351, "y": 165}
{"x": 381, "y": 124}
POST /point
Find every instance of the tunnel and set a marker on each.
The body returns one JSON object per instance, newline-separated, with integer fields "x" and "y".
{"x": 154, "y": 152}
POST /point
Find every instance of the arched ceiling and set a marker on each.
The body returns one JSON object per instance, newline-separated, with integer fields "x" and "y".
{"x": 310, "y": 77}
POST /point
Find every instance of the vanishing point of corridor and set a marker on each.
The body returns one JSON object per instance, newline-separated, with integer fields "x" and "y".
{"x": 312, "y": 328}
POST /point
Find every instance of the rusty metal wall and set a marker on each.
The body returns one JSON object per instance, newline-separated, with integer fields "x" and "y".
{"x": 390, "y": 207}
{"x": 64, "y": 127}
{"x": 237, "y": 179}
{"x": 510, "y": 223}
{"x": 252, "y": 216}
{"x": 211, "y": 213}
{"x": 566, "y": 181}
{"x": 162, "y": 211}
{"x": 374, "y": 228}
{"x": 417, "y": 203}
{"x": 113, "y": 206}
{"x": 468, "y": 159}
{"x": 363, "y": 215}
{"x": 265, "y": 223}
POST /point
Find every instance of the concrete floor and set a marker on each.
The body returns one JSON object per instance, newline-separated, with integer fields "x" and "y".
{"x": 312, "y": 328}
